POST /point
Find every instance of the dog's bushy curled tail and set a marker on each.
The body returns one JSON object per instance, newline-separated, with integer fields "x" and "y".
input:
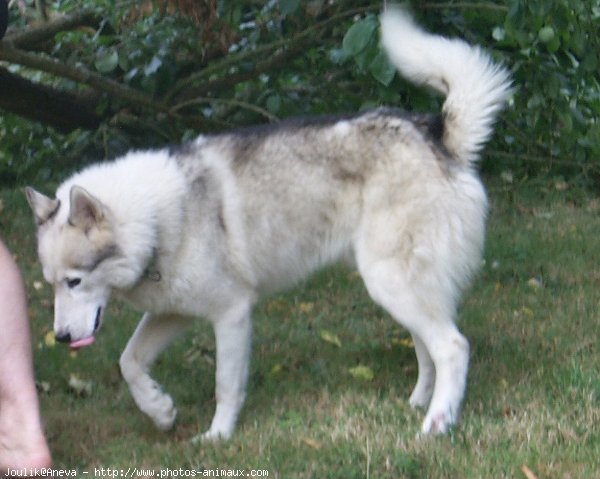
{"x": 476, "y": 89}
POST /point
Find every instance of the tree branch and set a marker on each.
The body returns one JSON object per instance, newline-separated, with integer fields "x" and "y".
{"x": 60, "y": 109}
{"x": 292, "y": 46}
{"x": 81, "y": 75}
{"x": 229, "y": 80}
{"x": 33, "y": 36}
{"x": 463, "y": 5}
{"x": 237, "y": 103}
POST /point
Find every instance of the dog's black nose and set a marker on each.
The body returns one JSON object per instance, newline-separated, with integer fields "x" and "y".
{"x": 64, "y": 338}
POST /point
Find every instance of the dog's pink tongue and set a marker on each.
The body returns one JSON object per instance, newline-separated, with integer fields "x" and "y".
{"x": 80, "y": 343}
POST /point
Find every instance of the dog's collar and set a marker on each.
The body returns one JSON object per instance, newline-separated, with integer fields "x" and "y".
{"x": 152, "y": 273}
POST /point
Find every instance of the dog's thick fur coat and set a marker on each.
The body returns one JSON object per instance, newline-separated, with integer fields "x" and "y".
{"x": 206, "y": 229}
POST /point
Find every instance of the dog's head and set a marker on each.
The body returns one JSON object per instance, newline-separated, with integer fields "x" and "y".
{"x": 77, "y": 250}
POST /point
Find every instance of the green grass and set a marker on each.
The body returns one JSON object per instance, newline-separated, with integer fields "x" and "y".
{"x": 534, "y": 388}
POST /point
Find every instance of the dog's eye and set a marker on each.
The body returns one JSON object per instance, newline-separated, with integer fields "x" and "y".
{"x": 72, "y": 282}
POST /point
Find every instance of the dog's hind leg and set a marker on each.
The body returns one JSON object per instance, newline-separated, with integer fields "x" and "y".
{"x": 427, "y": 312}
{"x": 421, "y": 395}
{"x": 151, "y": 337}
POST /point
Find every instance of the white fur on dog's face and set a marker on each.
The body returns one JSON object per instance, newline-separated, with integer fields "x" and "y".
{"x": 78, "y": 311}
{"x": 72, "y": 264}
{"x": 75, "y": 246}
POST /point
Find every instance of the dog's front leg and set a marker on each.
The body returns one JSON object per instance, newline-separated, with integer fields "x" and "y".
{"x": 153, "y": 335}
{"x": 233, "y": 331}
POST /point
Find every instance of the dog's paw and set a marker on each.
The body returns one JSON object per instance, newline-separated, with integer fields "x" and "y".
{"x": 153, "y": 402}
{"x": 164, "y": 414}
{"x": 161, "y": 409}
{"x": 438, "y": 422}
{"x": 211, "y": 436}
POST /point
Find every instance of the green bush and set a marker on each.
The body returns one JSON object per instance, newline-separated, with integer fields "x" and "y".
{"x": 247, "y": 63}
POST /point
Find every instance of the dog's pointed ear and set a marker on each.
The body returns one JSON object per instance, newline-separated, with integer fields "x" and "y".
{"x": 86, "y": 211}
{"x": 42, "y": 206}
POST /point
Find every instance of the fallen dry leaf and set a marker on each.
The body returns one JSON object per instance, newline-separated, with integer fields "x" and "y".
{"x": 507, "y": 176}
{"x": 43, "y": 386}
{"x": 50, "y": 339}
{"x": 306, "y": 308}
{"x": 561, "y": 185}
{"x": 404, "y": 342}
{"x": 528, "y": 472}
{"x": 80, "y": 386}
{"x": 535, "y": 283}
{"x": 362, "y": 372}
{"x": 330, "y": 338}
{"x": 312, "y": 443}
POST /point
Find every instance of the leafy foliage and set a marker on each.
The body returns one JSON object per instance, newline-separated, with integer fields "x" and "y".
{"x": 554, "y": 51}
{"x": 210, "y": 65}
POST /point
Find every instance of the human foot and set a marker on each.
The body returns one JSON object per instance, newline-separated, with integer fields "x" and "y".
{"x": 22, "y": 446}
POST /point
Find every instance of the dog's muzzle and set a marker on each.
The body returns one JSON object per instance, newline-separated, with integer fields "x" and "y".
{"x": 66, "y": 338}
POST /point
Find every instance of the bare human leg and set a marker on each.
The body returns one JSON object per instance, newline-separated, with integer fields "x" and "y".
{"x": 22, "y": 441}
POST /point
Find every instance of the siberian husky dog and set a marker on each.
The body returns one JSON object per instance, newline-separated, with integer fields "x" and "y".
{"x": 206, "y": 229}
